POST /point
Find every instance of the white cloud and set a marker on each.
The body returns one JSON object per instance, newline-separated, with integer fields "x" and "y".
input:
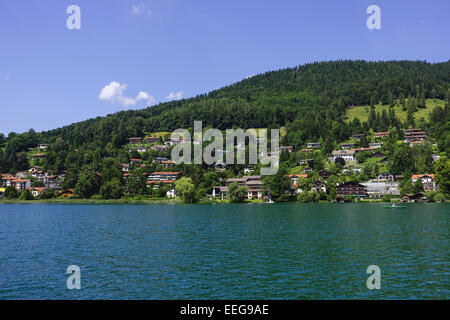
{"x": 175, "y": 96}
{"x": 139, "y": 9}
{"x": 114, "y": 93}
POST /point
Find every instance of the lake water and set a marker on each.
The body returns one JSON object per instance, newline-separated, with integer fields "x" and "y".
{"x": 233, "y": 251}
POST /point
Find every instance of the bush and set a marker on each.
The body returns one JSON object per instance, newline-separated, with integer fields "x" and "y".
{"x": 10, "y": 193}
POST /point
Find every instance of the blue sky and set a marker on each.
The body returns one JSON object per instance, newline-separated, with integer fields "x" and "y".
{"x": 131, "y": 53}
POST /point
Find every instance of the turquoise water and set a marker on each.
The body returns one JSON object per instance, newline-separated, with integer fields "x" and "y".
{"x": 241, "y": 251}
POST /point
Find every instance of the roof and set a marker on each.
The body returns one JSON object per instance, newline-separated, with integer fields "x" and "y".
{"x": 417, "y": 176}
{"x": 303, "y": 175}
{"x": 165, "y": 173}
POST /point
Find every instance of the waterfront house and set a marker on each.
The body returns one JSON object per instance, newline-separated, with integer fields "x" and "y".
{"x": 22, "y": 184}
{"x": 7, "y": 181}
{"x": 37, "y": 191}
{"x": 352, "y": 189}
{"x": 254, "y": 184}
{"x": 417, "y": 197}
{"x": 219, "y": 191}
{"x": 125, "y": 167}
{"x": 428, "y": 181}
{"x": 67, "y": 193}
{"x": 379, "y": 189}
{"x": 171, "y": 193}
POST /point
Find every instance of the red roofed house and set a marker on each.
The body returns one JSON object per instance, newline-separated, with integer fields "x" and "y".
{"x": 427, "y": 181}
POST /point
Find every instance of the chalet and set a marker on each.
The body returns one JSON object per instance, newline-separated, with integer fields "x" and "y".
{"x": 375, "y": 145}
{"x": 37, "y": 191}
{"x": 351, "y": 189}
{"x": 313, "y": 145}
{"x": 384, "y": 176}
{"x": 150, "y": 140}
{"x": 219, "y": 191}
{"x": 67, "y": 193}
{"x": 379, "y": 135}
{"x": 319, "y": 186}
{"x": 43, "y": 145}
{"x": 428, "y": 181}
{"x": 348, "y": 145}
{"x": 417, "y": 197}
{"x": 159, "y": 148}
{"x": 135, "y": 161}
{"x": 254, "y": 185}
{"x": 307, "y": 150}
{"x": 358, "y": 136}
{"x": 347, "y": 155}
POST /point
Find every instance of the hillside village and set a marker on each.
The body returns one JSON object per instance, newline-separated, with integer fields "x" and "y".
{"x": 354, "y": 171}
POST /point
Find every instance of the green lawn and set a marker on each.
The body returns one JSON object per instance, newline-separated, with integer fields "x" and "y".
{"x": 362, "y": 112}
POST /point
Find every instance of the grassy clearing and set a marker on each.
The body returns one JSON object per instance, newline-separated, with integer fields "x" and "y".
{"x": 362, "y": 112}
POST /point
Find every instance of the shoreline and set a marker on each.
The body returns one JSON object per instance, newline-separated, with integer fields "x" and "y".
{"x": 172, "y": 201}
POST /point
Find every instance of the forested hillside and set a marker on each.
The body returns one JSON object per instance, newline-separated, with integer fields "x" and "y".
{"x": 311, "y": 101}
